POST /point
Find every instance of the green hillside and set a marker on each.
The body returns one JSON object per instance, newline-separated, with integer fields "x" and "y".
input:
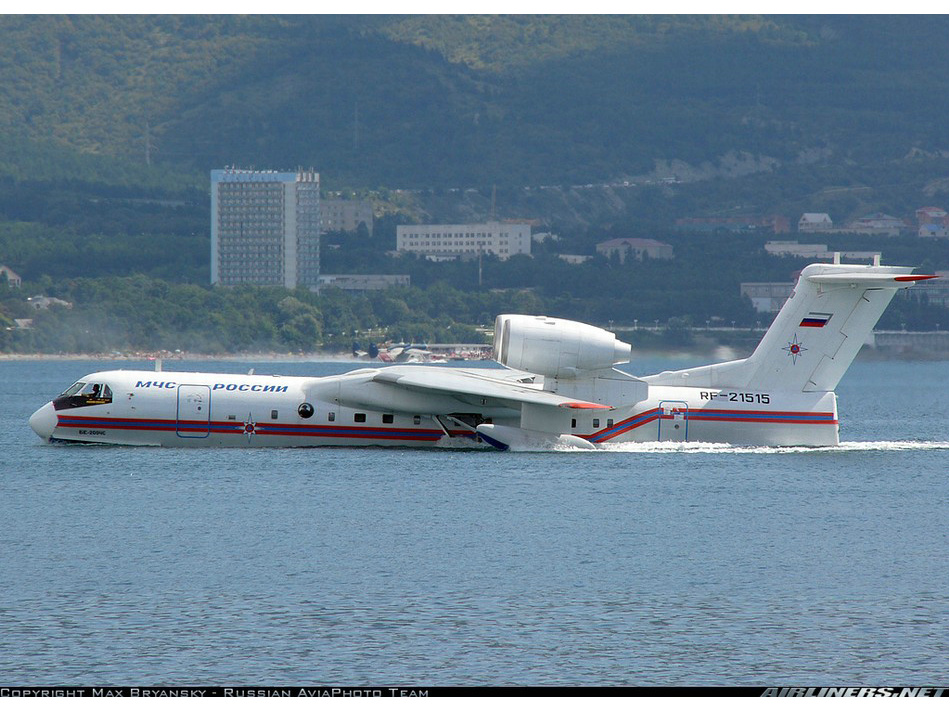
{"x": 460, "y": 100}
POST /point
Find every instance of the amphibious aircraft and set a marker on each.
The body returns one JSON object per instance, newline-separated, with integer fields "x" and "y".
{"x": 559, "y": 387}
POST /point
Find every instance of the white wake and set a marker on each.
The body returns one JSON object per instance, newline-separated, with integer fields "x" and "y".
{"x": 725, "y": 449}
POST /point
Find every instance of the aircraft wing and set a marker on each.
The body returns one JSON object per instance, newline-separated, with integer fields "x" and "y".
{"x": 453, "y": 382}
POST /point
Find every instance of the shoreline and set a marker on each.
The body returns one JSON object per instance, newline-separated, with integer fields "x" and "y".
{"x": 717, "y": 355}
{"x": 251, "y": 356}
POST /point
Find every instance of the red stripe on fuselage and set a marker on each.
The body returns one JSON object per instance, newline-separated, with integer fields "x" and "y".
{"x": 231, "y": 427}
{"x": 790, "y": 417}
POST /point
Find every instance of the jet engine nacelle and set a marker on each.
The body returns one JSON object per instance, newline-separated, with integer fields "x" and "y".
{"x": 555, "y": 347}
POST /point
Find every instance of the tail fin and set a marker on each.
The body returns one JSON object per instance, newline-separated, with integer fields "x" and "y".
{"x": 814, "y": 337}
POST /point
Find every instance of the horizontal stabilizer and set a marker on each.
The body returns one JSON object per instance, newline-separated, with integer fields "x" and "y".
{"x": 869, "y": 281}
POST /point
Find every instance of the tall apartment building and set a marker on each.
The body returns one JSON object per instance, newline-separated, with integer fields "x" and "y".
{"x": 440, "y": 242}
{"x": 265, "y": 228}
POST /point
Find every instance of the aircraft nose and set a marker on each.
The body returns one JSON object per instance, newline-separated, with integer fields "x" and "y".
{"x": 43, "y": 421}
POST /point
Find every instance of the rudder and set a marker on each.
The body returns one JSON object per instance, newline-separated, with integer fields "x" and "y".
{"x": 815, "y": 336}
{"x": 822, "y": 327}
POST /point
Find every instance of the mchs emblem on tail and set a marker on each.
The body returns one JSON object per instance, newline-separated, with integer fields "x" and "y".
{"x": 559, "y": 385}
{"x": 795, "y": 349}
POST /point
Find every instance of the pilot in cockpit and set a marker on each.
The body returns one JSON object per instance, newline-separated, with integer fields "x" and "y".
{"x": 82, "y": 394}
{"x": 98, "y": 395}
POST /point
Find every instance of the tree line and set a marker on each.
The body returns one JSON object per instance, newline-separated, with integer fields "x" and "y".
{"x": 140, "y": 313}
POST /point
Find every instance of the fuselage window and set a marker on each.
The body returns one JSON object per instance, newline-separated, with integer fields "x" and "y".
{"x": 359, "y": 417}
{"x": 610, "y": 422}
{"x": 416, "y": 419}
{"x": 331, "y": 416}
{"x": 596, "y": 422}
{"x": 573, "y": 423}
{"x": 387, "y": 417}
{"x": 273, "y": 415}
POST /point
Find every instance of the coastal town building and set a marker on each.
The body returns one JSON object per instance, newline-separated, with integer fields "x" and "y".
{"x": 13, "y": 279}
{"x": 342, "y": 215}
{"x": 767, "y": 297}
{"x": 265, "y": 228}
{"x": 446, "y": 242}
{"x": 932, "y": 291}
{"x": 932, "y": 230}
{"x": 636, "y": 248}
{"x": 40, "y": 302}
{"x": 815, "y": 222}
{"x": 874, "y": 224}
{"x": 878, "y": 221}
{"x": 931, "y": 222}
{"x": 814, "y": 251}
{"x": 363, "y": 282}
{"x": 930, "y": 215}
{"x": 795, "y": 249}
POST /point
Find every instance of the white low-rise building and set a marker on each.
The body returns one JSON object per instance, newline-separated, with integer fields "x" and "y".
{"x": 767, "y": 297}
{"x": 452, "y": 241}
{"x": 791, "y": 247}
{"x": 819, "y": 252}
{"x": 636, "y": 248}
{"x": 932, "y": 230}
{"x": 815, "y": 222}
{"x": 363, "y": 282}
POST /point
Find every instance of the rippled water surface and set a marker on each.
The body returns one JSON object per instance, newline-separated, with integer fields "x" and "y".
{"x": 632, "y": 565}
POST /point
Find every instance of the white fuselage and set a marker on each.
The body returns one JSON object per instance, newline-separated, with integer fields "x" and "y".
{"x": 226, "y": 410}
{"x": 559, "y": 387}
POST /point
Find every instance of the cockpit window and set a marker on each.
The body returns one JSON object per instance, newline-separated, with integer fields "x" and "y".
{"x": 73, "y": 389}
{"x": 82, "y": 394}
{"x": 97, "y": 391}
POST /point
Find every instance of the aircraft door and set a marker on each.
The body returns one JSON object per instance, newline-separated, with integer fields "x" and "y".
{"x": 194, "y": 411}
{"x": 673, "y": 421}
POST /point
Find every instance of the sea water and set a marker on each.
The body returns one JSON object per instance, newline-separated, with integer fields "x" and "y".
{"x": 690, "y": 564}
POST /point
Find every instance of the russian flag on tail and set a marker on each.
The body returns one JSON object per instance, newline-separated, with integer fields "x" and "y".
{"x": 815, "y": 319}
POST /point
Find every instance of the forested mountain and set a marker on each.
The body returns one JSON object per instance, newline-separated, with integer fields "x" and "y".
{"x": 433, "y": 101}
